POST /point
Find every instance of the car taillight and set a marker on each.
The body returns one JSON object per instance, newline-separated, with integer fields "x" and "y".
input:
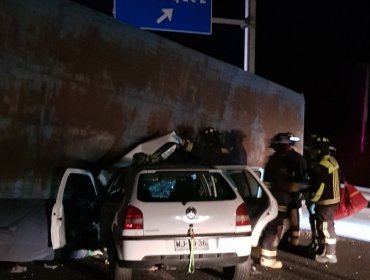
{"x": 133, "y": 218}
{"x": 242, "y": 216}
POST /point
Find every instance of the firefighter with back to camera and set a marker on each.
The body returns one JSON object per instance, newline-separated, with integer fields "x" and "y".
{"x": 211, "y": 149}
{"x": 325, "y": 197}
{"x": 285, "y": 175}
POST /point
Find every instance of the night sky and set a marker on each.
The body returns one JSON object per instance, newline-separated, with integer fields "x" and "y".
{"x": 322, "y": 49}
{"x": 318, "y": 48}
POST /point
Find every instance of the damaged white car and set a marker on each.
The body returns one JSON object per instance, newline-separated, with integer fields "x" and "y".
{"x": 168, "y": 214}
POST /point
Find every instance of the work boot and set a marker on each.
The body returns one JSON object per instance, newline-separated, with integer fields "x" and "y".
{"x": 313, "y": 248}
{"x": 271, "y": 263}
{"x": 326, "y": 258}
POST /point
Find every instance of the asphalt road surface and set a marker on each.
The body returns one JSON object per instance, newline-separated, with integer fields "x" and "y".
{"x": 353, "y": 263}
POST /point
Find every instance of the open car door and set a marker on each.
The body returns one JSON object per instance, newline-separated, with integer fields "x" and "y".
{"x": 261, "y": 204}
{"x": 74, "y": 217}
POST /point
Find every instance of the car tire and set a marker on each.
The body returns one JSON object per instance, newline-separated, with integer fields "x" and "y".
{"x": 122, "y": 273}
{"x": 115, "y": 271}
{"x": 240, "y": 271}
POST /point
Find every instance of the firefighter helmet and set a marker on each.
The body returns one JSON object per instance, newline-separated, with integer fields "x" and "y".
{"x": 211, "y": 136}
{"x": 284, "y": 138}
{"x": 321, "y": 145}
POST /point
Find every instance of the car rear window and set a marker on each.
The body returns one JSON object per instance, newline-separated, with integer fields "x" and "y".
{"x": 183, "y": 186}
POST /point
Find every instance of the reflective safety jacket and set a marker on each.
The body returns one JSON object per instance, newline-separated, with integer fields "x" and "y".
{"x": 325, "y": 182}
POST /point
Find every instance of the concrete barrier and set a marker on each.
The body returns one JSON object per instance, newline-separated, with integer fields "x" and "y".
{"x": 78, "y": 87}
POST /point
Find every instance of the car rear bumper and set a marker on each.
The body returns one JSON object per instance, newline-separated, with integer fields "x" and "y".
{"x": 182, "y": 261}
{"x": 223, "y": 250}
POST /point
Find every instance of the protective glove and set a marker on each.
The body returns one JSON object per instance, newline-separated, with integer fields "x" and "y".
{"x": 311, "y": 209}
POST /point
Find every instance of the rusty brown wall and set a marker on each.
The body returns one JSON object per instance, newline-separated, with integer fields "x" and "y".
{"x": 77, "y": 86}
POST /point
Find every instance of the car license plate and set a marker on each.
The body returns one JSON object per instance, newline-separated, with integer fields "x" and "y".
{"x": 184, "y": 244}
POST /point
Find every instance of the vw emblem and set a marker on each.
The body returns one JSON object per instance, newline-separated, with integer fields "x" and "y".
{"x": 191, "y": 212}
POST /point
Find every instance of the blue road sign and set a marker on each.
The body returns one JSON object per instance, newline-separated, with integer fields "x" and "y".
{"x": 189, "y": 16}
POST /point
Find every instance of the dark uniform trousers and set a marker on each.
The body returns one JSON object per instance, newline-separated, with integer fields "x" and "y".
{"x": 273, "y": 232}
{"x": 293, "y": 215}
{"x": 274, "y": 229}
{"x": 326, "y": 236}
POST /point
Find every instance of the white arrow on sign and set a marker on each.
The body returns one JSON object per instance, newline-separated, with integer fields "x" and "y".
{"x": 167, "y": 13}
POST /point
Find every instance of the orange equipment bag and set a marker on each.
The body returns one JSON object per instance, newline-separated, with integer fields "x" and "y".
{"x": 351, "y": 202}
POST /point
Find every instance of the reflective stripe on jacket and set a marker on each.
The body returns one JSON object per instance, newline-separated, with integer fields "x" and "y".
{"x": 325, "y": 182}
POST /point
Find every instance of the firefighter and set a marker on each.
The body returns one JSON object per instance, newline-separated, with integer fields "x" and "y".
{"x": 309, "y": 156}
{"x": 209, "y": 148}
{"x": 325, "y": 197}
{"x": 238, "y": 154}
{"x": 285, "y": 173}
